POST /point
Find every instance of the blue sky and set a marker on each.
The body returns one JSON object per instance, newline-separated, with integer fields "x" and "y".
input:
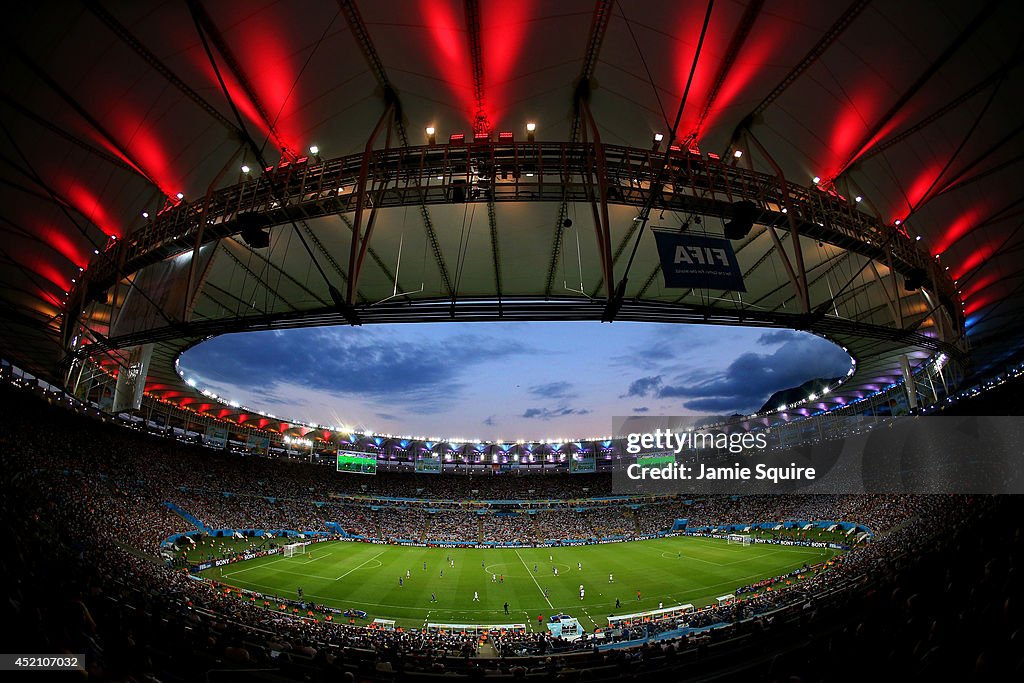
{"x": 506, "y": 380}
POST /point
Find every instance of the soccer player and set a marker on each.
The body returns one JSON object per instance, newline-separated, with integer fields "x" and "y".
{"x": 581, "y": 592}
{"x": 579, "y": 566}
{"x": 617, "y": 603}
{"x": 506, "y": 607}
{"x": 501, "y": 578}
{"x": 611, "y": 578}
{"x": 476, "y": 597}
{"x": 442, "y": 573}
{"x": 433, "y": 598}
{"x": 408, "y": 574}
{"x": 399, "y": 581}
{"x": 424, "y": 566}
{"x": 534, "y": 567}
{"x": 494, "y": 578}
{"x": 638, "y": 596}
{"x": 299, "y": 591}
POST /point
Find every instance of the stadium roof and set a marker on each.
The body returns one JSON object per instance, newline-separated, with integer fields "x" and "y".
{"x": 110, "y": 112}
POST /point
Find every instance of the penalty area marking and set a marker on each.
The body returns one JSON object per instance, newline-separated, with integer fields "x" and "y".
{"x": 360, "y": 566}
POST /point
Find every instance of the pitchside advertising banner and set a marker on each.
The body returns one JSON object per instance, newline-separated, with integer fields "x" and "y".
{"x": 698, "y": 261}
{"x": 923, "y": 454}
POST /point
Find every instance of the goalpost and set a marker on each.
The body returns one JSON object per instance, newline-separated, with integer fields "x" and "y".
{"x": 740, "y": 539}
{"x": 293, "y": 549}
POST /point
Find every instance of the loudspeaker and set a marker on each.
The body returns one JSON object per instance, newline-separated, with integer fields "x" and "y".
{"x": 743, "y": 215}
{"x": 913, "y": 280}
{"x": 253, "y": 228}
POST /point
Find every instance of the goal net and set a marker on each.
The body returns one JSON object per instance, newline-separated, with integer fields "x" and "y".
{"x": 293, "y": 549}
{"x": 740, "y": 539}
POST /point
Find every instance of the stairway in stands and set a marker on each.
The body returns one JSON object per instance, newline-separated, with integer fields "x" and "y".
{"x": 185, "y": 515}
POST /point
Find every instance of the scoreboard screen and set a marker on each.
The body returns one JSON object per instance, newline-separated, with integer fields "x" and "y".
{"x": 656, "y": 459}
{"x": 582, "y": 464}
{"x": 429, "y": 465}
{"x": 359, "y": 463}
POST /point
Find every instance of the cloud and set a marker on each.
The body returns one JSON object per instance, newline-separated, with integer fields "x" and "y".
{"x": 553, "y": 390}
{"x": 750, "y": 379}
{"x": 779, "y": 337}
{"x": 419, "y": 375}
{"x": 549, "y": 413}
{"x": 490, "y": 420}
{"x": 642, "y": 409}
{"x": 715, "y": 404}
{"x": 645, "y": 386}
{"x": 387, "y": 416}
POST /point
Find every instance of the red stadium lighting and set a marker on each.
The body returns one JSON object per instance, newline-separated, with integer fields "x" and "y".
{"x": 505, "y": 136}
{"x": 456, "y": 139}
{"x": 481, "y": 137}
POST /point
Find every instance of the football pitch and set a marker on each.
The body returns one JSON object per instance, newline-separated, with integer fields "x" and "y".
{"x": 669, "y": 571}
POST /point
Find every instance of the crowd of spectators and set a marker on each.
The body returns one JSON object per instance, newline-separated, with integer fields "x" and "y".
{"x": 85, "y": 509}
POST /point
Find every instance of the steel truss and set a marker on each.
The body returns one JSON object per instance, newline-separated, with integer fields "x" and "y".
{"x": 489, "y": 172}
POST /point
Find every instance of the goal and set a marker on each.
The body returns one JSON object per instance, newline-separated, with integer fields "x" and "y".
{"x": 293, "y": 549}
{"x": 740, "y": 539}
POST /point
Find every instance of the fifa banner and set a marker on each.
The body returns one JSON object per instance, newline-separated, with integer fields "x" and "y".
{"x": 582, "y": 464}
{"x": 216, "y": 436}
{"x": 131, "y": 379}
{"x": 698, "y": 261}
{"x": 258, "y": 443}
{"x": 429, "y": 465}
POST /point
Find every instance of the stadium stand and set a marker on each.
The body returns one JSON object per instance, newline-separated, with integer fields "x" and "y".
{"x": 85, "y": 507}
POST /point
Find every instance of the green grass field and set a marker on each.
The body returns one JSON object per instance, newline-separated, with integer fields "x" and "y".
{"x": 672, "y": 571}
